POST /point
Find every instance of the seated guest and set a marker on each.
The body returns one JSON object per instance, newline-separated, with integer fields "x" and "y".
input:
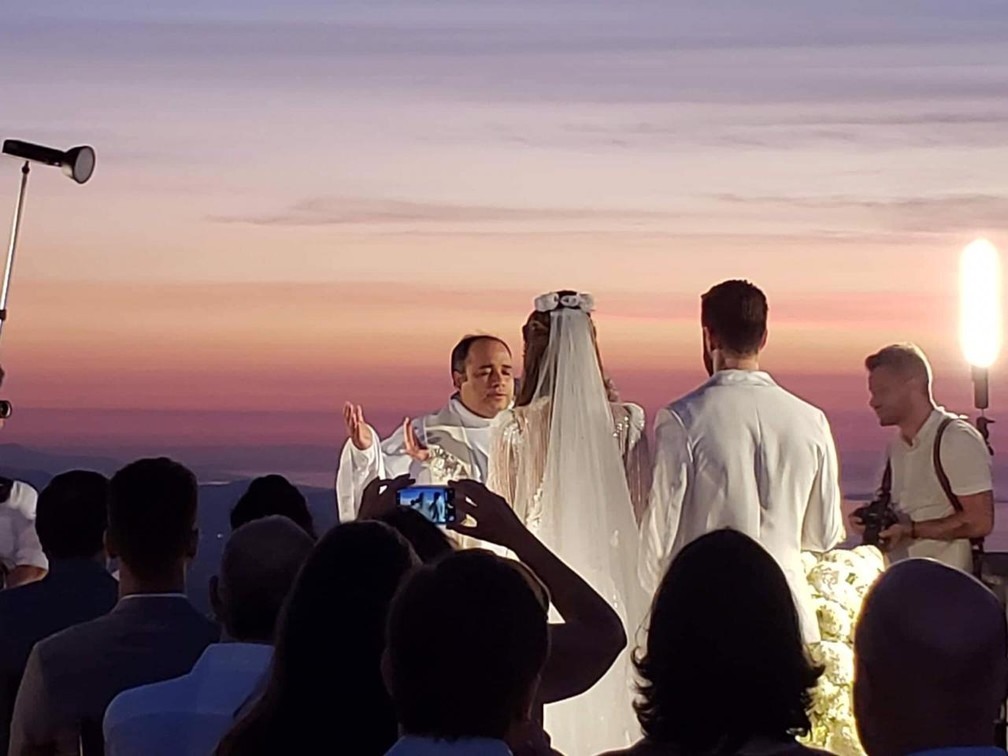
{"x": 473, "y": 606}
{"x": 272, "y": 495}
{"x": 584, "y": 646}
{"x": 190, "y": 714}
{"x": 71, "y": 519}
{"x": 931, "y": 663}
{"x": 325, "y": 692}
{"x": 724, "y": 669}
{"x": 22, "y": 560}
{"x": 427, "y": 539}
{"x": 152, "y": 634}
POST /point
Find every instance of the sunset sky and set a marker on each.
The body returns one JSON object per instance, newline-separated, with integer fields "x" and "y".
{"x": 304, "y": 202}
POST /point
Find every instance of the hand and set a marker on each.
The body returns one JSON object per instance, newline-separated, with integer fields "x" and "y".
{"x": 856, "y": 524}
{"x": 379, "y": 497}
{"x": 414, "y": 448}
{"x": 895, "y": 535}
{"x": 357, "y": 428}
{"x": 494, "y": 520}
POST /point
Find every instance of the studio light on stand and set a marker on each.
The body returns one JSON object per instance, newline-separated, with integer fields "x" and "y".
{"x": 78, "y": 163}
{"x": 980, "y": 321}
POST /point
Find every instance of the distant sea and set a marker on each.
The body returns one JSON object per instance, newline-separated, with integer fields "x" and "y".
{"x": 221, "y": 487}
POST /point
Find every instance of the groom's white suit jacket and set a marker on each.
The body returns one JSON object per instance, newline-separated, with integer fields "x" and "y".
{"x": 740, "y": 452}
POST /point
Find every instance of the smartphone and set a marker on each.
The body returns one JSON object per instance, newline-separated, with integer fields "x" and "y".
{"x": 436, "y": 503}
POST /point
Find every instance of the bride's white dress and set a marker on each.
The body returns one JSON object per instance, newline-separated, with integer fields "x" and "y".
{"x": 529, "y": 427}
{"x": 575, "y": 467}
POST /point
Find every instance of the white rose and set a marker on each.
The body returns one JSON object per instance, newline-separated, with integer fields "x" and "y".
{"x": 837, "y": 659}
{"x": 834, "y": 581}
{"x": 871, "y": 557}
{"x": 843, "y": 739}
{"x": 835, "y": 621}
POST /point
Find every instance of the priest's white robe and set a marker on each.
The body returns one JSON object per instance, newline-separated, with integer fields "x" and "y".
{"x": 459, "y": 443}
{"x": 740, "y": 452}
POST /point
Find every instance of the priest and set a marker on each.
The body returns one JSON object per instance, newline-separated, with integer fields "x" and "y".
{"x": 450, "y": 444}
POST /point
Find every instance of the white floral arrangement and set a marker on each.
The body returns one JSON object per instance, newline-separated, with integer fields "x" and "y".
{"x": 839, "y": 581}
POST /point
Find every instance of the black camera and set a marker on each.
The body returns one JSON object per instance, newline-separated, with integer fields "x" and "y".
{"x": 876, "y": 516}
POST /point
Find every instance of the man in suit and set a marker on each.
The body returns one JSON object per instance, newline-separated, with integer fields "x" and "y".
{"x": 187, "y": 716}
{"x": 740, "y": 452}
{"x": 152, "y": 634}
{"x": 71, "y": 519}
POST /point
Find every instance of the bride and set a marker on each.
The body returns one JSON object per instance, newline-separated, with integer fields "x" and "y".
{"x": 573, "y": 462}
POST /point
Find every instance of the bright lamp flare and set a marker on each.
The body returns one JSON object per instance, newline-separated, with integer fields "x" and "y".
{"x": 980, "y": 314}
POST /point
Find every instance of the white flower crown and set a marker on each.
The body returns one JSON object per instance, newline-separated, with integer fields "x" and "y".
{"x": 553, "y": 301}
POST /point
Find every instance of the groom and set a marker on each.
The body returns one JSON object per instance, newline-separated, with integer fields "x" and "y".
{"x": 450, "y": 444}
{"x": 740, "y": 452}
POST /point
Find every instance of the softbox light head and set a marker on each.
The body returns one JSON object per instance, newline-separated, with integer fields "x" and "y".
{"x": 78, "y": 162}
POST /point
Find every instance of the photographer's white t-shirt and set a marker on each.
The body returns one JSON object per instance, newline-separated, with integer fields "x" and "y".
{"x": 917, "y": 493}
{"x": 19, "y": 543}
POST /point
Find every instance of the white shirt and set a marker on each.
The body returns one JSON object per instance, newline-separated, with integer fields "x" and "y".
{"x": 190, "y": 714}
{"x": 19, "y": 543}
{"x": 410, "y": 745}
{"x": 455, "y": 435}
{"x": 740, "y": 452}
{"x": 917, "y": 494}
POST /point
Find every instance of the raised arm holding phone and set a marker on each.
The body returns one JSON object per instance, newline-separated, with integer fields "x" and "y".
{"x": 585, "y": 645}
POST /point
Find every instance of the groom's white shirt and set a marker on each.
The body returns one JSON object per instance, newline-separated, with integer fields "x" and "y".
{"x": 740, "y": 452}
{"x": 458, "y": 439}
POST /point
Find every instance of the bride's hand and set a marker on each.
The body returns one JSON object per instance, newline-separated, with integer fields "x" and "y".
{"x": 493, "y": 518}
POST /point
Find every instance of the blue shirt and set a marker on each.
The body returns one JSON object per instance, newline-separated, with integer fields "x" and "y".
{"x": 190, "y": 714}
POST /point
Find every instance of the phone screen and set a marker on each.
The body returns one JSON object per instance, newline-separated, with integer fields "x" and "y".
{"x": 436, "y": 503}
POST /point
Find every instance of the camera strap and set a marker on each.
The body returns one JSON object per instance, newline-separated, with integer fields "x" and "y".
{"x": 976, "y": 544}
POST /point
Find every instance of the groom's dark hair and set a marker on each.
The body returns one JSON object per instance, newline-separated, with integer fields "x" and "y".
{"x": 735, "y": 312}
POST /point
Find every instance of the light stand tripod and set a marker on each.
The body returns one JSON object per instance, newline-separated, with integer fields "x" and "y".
{"x": 981, "y": 400}
{"x": 77, "y": 163}
{"x": 5, "y": 406}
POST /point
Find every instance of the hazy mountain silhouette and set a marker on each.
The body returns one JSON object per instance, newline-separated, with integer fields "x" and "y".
{"x": 215, "y": 502}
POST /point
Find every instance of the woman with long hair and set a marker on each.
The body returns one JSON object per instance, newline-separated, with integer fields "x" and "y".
{"x": 572, "y": 461}
{"x": 325, "y": 691}
{"x": 724, "y": 670}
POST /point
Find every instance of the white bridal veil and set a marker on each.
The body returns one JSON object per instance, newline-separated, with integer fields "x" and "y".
{"x": 587, "y": 516}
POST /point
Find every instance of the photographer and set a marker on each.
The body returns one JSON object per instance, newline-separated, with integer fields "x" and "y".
{"x": 21, "y": 557}
{"x": 940, "y": 467}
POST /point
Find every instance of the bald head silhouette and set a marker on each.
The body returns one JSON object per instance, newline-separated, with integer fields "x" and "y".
{"x": 931, "y": 653}
{"x": 260, "y": 562}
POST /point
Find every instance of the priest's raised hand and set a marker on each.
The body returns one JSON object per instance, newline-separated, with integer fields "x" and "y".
{"x": 358, "y": 431}
{"x": 414, "y": 447}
